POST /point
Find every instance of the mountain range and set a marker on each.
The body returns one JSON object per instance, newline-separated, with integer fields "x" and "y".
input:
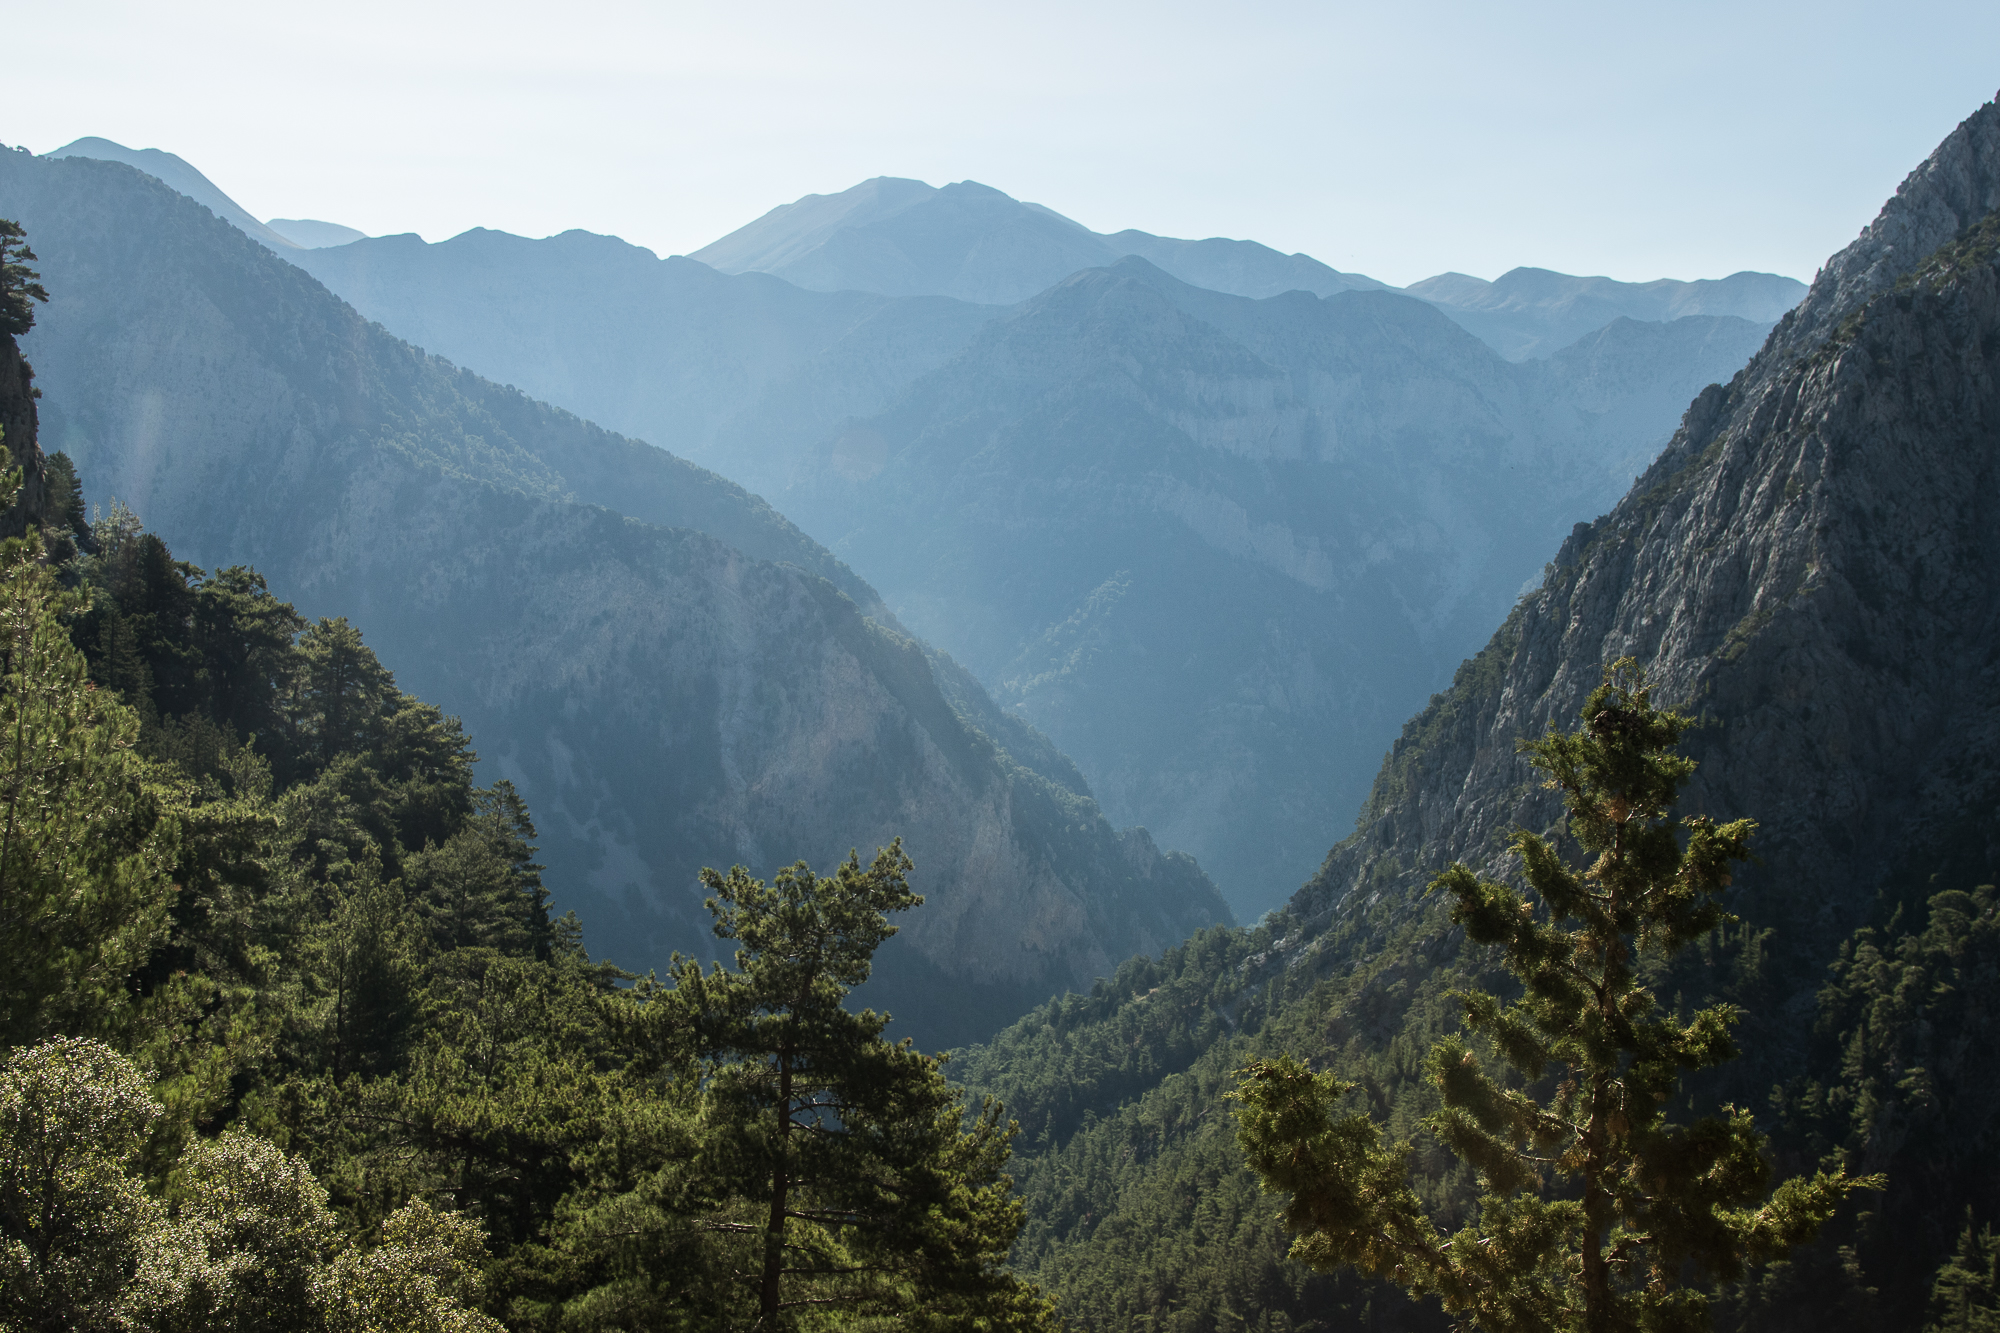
{"x": 1214, "y": 546}
{"x": 898, "y": 237}
{"x": 1808, "y": 570}
{"x": 670, "y": 672}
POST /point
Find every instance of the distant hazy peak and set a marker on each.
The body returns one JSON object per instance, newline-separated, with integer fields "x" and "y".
{"x": 790, "y": 231}
{"x": 312, "y": 234}
{"x": 901, "y": 237}
{"x": 1449, "y": 288}
{"x": 178, "y": 175}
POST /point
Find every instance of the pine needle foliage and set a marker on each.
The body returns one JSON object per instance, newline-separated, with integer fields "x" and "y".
{"x": 1596, "y": 1213}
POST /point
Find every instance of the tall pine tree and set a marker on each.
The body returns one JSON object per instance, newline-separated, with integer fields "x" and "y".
{"x": 1596, "y": 1211}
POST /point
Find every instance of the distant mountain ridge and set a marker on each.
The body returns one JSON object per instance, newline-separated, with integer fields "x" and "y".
{"x": 1811, "y": 571}
{"x": 906, "y": 238}
{"x": 1532, "y": 312}
{"x": 897, "y": 237}
{"x": 174, "y": 171}
{"x": 902, "y": 237}
{"x": 672, "y": 673}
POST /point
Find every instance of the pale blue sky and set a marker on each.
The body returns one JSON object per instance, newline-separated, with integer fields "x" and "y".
{"x": 1665, "y": 140}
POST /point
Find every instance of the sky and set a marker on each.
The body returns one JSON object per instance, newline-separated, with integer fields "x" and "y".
{"x": 1635, "y": 141}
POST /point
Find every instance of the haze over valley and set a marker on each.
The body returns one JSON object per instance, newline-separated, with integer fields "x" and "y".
{"x": 926, "y": 764}
{"x": 1212, "y": 518}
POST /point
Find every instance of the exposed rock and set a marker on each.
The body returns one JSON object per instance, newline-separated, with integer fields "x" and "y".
{"x": 1813, "y": 568}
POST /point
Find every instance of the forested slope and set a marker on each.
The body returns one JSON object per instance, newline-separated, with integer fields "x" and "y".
{"x": 1810, "y": 570}
{"x": 682, "y": 680}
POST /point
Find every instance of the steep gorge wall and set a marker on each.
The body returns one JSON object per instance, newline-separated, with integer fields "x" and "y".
{"x": 1812, "y": 567}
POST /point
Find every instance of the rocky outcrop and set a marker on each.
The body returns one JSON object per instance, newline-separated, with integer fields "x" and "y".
{"x": 674, "y": 675}
{"x": 1813, "y": 568}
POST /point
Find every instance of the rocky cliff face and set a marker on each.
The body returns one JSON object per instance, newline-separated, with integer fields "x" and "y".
{"x": 1812, "y": 567}
{"x": 673, "y": 674}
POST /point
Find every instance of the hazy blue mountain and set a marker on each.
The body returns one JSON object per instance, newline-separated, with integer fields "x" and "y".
{"x": 1811, "y": 567}
{"x": 1244, "y": 751}
{"x": 164, "y": 166}
{"x": 665, "y": 349}
{"x": 673, "y": 674}
{"x": 1243, "y": 268}
{"x": 312, "y": 234}
{"x": 1216, "y": 548}
{"x": 906, "y": 238}
{"x": 1532, "y": 312}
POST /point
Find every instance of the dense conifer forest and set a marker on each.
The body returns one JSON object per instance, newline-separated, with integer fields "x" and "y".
{"x": 295, "y": 1041}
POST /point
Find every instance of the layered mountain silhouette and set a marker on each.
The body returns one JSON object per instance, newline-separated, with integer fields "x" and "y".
{"x": 312, "y": 234}
{"x": 1216, "y": 546}
{"x": 900, "y": 237}
{"x": 1809, "y": 569}
{"x": 1531, "y": 312}
{"x": 672, "y": 673}
{"x": 905, "y": 238}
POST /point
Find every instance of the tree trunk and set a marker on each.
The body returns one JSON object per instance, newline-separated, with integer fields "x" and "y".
{"x": 774, "y": 1229}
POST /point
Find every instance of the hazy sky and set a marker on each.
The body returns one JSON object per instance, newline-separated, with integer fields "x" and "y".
{"x": 1639, "y": 141}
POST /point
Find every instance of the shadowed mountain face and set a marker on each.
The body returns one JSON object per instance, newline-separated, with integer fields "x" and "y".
{"x": 1812, "y": 568}
{"x": 904, "y": 238}
{"x": 673, "y": 674}
{"x": 1531, "y": 312}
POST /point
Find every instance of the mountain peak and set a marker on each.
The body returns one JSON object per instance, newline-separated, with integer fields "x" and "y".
{"x": 1958, "y": 184}
{"x": 178, "y": 175}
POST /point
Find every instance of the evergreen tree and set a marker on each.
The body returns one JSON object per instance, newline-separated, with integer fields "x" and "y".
{"x": 1966, "y": 1296}
{"x": 1641, "y": 1204}
{"x": 19, "y": 289}
{"x": 85, "y": 852}
{"x": 869, "y": 1194}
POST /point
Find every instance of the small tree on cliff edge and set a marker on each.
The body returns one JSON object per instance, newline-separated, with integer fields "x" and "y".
{"x": 18, "y": 286}
{"x": 1595, "y": 1211}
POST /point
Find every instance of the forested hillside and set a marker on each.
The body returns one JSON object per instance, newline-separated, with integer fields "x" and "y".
{"x": 291, "y": 1039}
{"x": 671, "y": 673}
{"x": 1808, "y": 570}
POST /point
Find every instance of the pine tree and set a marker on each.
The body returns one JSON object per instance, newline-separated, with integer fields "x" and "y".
{"x": 873, "y": 1195}
{"x": 1965, "y": 1298}
{"x": 1595, "y": 1210}
{"x": 85, "y": 852}
{"x": 19, "y": 289}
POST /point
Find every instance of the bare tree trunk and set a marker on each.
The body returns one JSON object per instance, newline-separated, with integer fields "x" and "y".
{"x": 774, "y": 1229}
